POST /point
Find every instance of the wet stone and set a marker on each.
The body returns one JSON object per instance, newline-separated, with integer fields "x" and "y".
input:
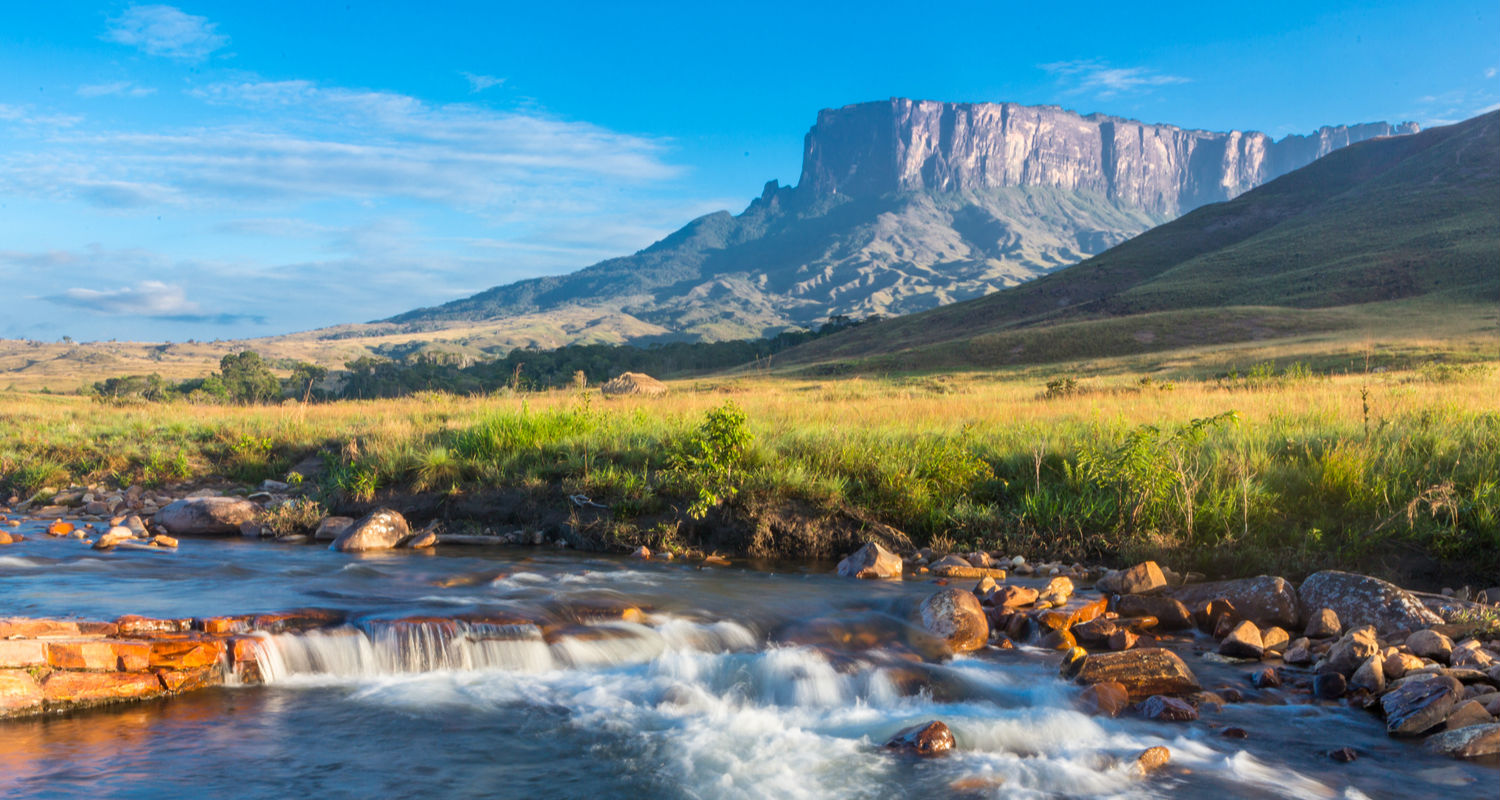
{"x": 1104, "y": 699}
{"x": 1168, "y": 709}
{"x": 925, "y": 739}
{"x": 1329, "y": 685}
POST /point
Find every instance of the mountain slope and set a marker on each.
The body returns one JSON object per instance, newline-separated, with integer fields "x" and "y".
{"x": 904, "y": 206}
{"x": 1386, "y": 220}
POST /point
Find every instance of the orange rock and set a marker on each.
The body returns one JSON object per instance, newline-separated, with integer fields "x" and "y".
{"x": 186, "y": 654}
{"x": 5, "y": 538}
{"x": 132, "y": 625}
{"x": 300, "y": 619}
{"x": 1088, "y": 612}
{"x": 87, "y": 688}
{"x": 90, "y": 654}
{"x": 19, "y": 692}
{"x": 60, "y": 528}
{"x": 1107, "y": 699}
{"x": 22, "y": 653}
{"x": 224, "y": 625}
{"x": 24, "y": 628}
{"x": 244, "y": 649}
{"x": 174, "y": 680}
{"x": 133, "y": 656}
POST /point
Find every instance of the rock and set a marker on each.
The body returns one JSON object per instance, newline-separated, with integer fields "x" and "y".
{"x": 163, "y": 540}
{"x": 91, "y": 688}
{"x": 421, "y": 540}
{"x": 19, "y": 692}
{"x": 643, "y": 552}
{"x": 1274, "y": 638}
{"x": 1362, "y": 600}
{"x": 924, "y": 739}
{"x": 1143, "y": 578}
{"x": 1170, "y": 612}
{"x": 1058, "y": 639}
{"x": 1474, "y": 741}
{"x": 1264, "y": 600}
{"x": 1267, "y": 678}
{"x": 1468, "y": 713}
{"x": 114, "y": 536}
{"x": 1142, "y": 671}
{"x": 1168, "y": 709}
{"x": 1343, "y": 755}
{"x": 956, "y": 617}
{"x": 1107, "y": 698}
{"x": 1015, "y": 596}
{"x": 1430, "y": 644}
{"x": 1057, "y": 591}
{"x": 1242, "y": 642}
{"x": 636, "y": 383}
{"x": 330, "y": 528}
{"x": 1471, "y": 655}
{"x": 1122, "y": 640}
{"x": 1095, "y": 632}
{"x": 22, "y": 653}
{"x": 1419, "y": 704}
{"x": 1323, "y": 624}
{"x": 1397, "y": 664}
{"x": 1329, "y": 685}
{"x": 1213, "y": 615}
{"x": 206, "y": 515}
{"x": 1299, "y": 653}
{"x": 379, "y": 530}
{"x": 985, "y": 588}
{"x": 1235, "y": 733}
{"x": 1351, "y": 650}
{"x": 871, "y": 561}
{"x": 1152, "y": 759}
{"x": 1370, "y": 676}
{"x": 981, "y": 560}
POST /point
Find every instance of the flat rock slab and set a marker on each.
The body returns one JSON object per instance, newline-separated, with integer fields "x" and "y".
{"x": 1143, "y": 672}
{"x": 1418, "y": 705}
{"x": 19, "y": 692}
{"x": 75, "y": 689}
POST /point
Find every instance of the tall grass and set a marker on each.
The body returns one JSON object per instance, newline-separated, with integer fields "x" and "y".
{"x": 1396, "y": 472}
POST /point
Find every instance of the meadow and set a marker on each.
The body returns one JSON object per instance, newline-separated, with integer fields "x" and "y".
{"x": 1269, "y": 467}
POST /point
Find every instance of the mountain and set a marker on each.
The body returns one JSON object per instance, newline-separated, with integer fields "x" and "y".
{"x": 907, "y": 205}
{"x": 1406, "y": 227}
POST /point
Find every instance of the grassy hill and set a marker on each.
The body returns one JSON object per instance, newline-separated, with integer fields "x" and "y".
{"x": 1403, "y": 228}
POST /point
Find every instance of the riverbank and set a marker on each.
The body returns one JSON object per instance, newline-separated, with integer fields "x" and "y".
{"x": 1275, "y": 469}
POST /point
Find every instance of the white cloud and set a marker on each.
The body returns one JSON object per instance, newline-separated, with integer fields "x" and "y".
{"x": 121, "y": 88}
{"x": 478, "y": 83}
{"x": 1103, "y": 80}
{"x": 147, "y": 298}
{"x": 1491, "y": 72}
{"x": 165, "y": 31}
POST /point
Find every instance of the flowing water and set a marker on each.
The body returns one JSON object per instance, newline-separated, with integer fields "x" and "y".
{"x": 771, "y": 681}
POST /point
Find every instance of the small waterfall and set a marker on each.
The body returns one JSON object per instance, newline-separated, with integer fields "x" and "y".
{"x": 375, "y": 648}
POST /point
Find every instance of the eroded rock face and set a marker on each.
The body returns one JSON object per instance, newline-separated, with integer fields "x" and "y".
{"x": 382, "y": 529}
{"x": 957, "y": 618}
{"x": 1362, "y": 600}
{"x": 206, "y": 515}
{"x": 871, "y": 561}
{"x": 1265, "y": 600}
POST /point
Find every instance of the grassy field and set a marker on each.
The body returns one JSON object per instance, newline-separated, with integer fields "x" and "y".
{"x": 1266, "y": 466}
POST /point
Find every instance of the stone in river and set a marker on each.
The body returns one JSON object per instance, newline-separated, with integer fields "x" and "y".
{"x": 206, "y": 515}
{"x": 923, "y": 739}
{"x": 1243, "y": 641}
{"x": 421, "y": 540}
{"x": 1057, "y": 591}
{"x": 1370, "y": 676}
{"x": 1351, "y": 650}
{"x": 1471, "y": 655}
{"x": 19, "y": 692}
{"x": 1168, "y": 709}
{"x": 957, "y": 618}
{"x": 330, "y": 528}
{"x": 1329, "y": 685}
{"x": 1420, "y": 704}
{"x": 1142, "y": 671}
{"x": 1469, "y": 713}
{"x": 871, "y": 561}
{"x": 1058, "y": 639}
{"x": 1298, "y": 652}
{"x": 1152, "y": 759}
{"x": 1267, "y": 678}
{"x": 1474, "y": 741}
{"x": 1170, "y": 612}
{"x": 644, "y": 552}
{"x": 1343, "y": 755}
{"x": 114, "y": 536}
{"x": 163, "y": 540}
{"x": 1275, "y": 638}
{"x": 1143, "y": 578}
{"x": 1122, "y": 639}
{"x": 379, "y": 530}
{"x": 89, "y": 688}
{"x": 1107, "y": 699}
{"x": 1265, "y": 600}
{"x": 1323, "y": 624}
{"x": 1397, "y": 664}
{"x": 1362, "y": 600}
{"x": 1015, "y": 596}
{"x": 1430, "y": 644}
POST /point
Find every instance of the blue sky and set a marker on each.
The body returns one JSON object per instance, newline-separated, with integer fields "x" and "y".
{"x": 219, "y": 170}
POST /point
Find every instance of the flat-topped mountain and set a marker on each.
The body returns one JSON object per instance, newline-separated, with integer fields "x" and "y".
{"x": 903, "y": 206}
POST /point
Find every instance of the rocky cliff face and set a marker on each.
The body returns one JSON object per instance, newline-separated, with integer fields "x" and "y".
{"x": 899, "y": 145}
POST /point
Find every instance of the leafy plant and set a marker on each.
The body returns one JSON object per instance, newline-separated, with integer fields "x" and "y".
{"x": 708, "y": 461}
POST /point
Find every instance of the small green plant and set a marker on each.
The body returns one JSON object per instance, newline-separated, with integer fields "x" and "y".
{"x": 708, "y": 461}
{"x": 1061, "y": 387}
{"x": 294, "y": 516}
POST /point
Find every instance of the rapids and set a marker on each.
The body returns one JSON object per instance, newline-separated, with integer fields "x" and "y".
{"x": 766, "y": 681}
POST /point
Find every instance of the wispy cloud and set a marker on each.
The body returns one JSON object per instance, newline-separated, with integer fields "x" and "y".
{"x": 147, "y": 298}
{"x": 1102, "y": 80}
{"x": 121, "y": 88}
{"x": 165, "y": 31}
{"x": 478, "y": 83}
{"x": 1491, "y": 72}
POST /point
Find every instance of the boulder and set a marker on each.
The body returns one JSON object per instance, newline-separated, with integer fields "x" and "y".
{"x": 1323, "y": 624}
{"x": 1474, "y": 741}
{"x": 1105, "y": 699}
{"x": 1170, "y": 612}
{"x": 1015, "y": 596}
{"x": 957, "y": 618}
{"x": 1142, "y": 671}
{"x": 638, "y": 383}
{"x": 1370, "y": 676}
{"x": 1057, "y": 591}
{"x": 1275, "y": 638}
{"x": 206, "y": 515}
{"x": 1420, "y": 704}
{"x": 330, "y": 528}
{"x": 1152, "y": 759}
{"x": 1362, "y": 600}
{"x": 1430, "y": 644}
{"x": 1468, "y": 713}
{"x": 1168, "y": 709}
{"x": 1143, "y": 578}
{"x": 871, "y": 561}
{"x": 421, "y": 540}
{"x": 1397, "y": 664}
{"x": 923, "y": 739}
{"x": 379, "y": 530}
{"x": 1265, "y": 600}
{"x": 1471, "y": 655}
{"x": 1350, "y": 651}
{"x": 19, "y": 692}
{"x": 1243, "y": 641}
{"x": 1329, "y": 685}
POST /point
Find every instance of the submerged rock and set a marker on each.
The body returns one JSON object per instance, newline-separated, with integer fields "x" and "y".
{"x": 924, "y": 739}
{"x": 871, "y": 561}
{"x": 1362, "y": 600}
{"x": 206, "y": 515}
{"x": 379, "y": 530}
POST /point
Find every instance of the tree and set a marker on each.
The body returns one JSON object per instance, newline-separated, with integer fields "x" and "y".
{"x": 304, "y": 377}
{"x": 247, "y": 378}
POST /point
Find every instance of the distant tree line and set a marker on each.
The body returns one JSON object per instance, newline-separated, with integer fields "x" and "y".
{"x": 245, "y": 377}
